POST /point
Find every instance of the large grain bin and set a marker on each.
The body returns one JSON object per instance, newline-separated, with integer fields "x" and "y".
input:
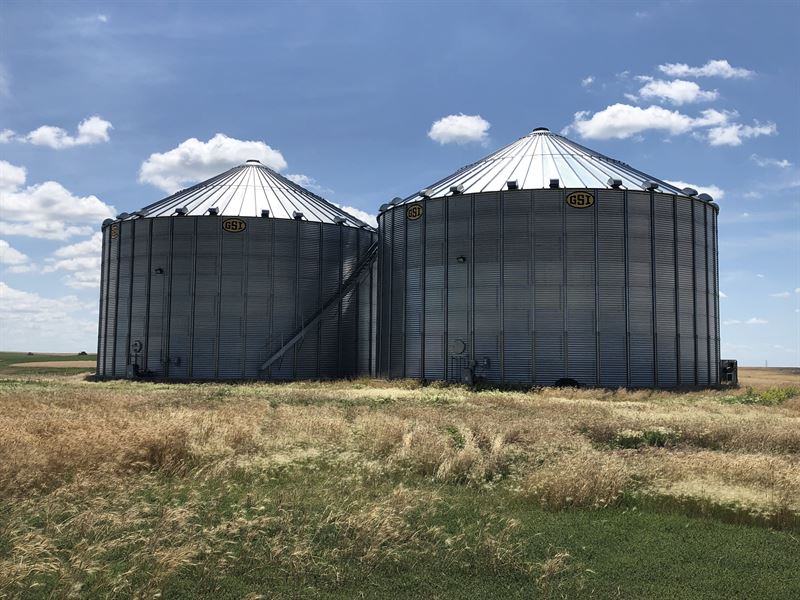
{"x": 547, "y": 261}
{"x": 247, "y": 275}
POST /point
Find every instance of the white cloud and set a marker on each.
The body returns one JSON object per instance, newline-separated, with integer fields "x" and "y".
{"x": 745, "y": 215}
{"x": 763, "y": 161}
{"x": 192, "y": 161}
{"x": 46, "y": 210}
{"x": 755, "y": 321}
{"x": 7, "y": 135}
{"x": 780, "y": 295}
{"x": 81, "y": 260}
{"x": 460, "y": 129}
{"x": 102, "y": 18}
{"x": 93, "y": 130}
{"x": 722, "y": 294}
{"x": 731, "y": 322}
{"x": 363, "y": 215}
{"x": 713, "y": 68}
{"x": 797, "y": 290}
{"x": 13, "y": 260}
{"x": 712, "y": 190}
{"x": 622, "y": 121}
{"x": 676, "y": 92}
{"x": 760, "y": 275}
{"x": 587, "y": 81}
{"x": 32, "y": 322}
{"x": 11, "y": 176}
{"x": 309, "y": 183}
{"x": 752, "y": 195}
{"x": 732, "y": 134}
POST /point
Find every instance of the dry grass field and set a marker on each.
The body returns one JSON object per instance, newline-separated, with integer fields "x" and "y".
{"x": 384, "y": 489}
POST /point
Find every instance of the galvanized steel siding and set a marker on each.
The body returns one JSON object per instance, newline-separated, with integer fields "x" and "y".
{"x": 209, "y": 304}
{"x": 535, "y": 291}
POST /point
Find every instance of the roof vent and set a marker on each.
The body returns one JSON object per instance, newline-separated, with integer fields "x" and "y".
{"x": 397, "y": 200}
{"x": 385, "y": 207}
{"x": 457, "y": 189}
{"x": 297, "y": 215}
{"x": 107, "y": 222}
{"x": 554, "y": 184}
{"x": 182, "y": 211}
{"x": 541, "y": 129}
{"x": 614, "y": 183}
{"x": 426, "y": 193}
{"x": 650, "y": 186}
{"x": 512, "y": 184}
{"x": 339, "y": 220}
{"x": 691, "y": 192}
{"x": 214, "y": 210}
{"x": 253, "y": 161}
{"x": 122, "y": 216}
{"x": 705, "y": 198}
{"x": 265, "y": 213}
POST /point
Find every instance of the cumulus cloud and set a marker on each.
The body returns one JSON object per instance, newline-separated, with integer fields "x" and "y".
{"x": 192, "y": 161}
{"x": 12, "y": 260}
{"x": 731, "y": 322}
{"x": 46, "y": 210}
{"x": 677, "y": 92}
{"x": 363, "y": 215}
{"x": 622, "y": 121}
{"x": 587, "y": 81}
{"x": 81, "y": 261}
{"x": 712, "y": 190}
{"x": 763, "y": 161}
{"x": 33, "y": 322}
{"x": 713, "y": 68}
{"x": 732, "y": 134}
{"x": 780, "y": 295}
{"x": 93, "y": 130}
{"x": 460, "y": 129}
{"x": 6, "y": 136}
{"x": 309, "y": 183}
{"x": 722, "y": 294}
{"x": 11, "y": 176}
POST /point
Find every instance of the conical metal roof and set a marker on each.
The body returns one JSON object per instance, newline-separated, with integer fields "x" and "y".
{"x": 247, "y": 191}
{"x": 532, "y": 161}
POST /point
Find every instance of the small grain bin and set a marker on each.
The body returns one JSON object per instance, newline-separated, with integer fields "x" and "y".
{"x": 244, "y": 276}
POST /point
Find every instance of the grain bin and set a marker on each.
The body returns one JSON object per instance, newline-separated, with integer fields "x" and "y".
{"x": 547, "y": 262}
{"x": 244, "y": 276}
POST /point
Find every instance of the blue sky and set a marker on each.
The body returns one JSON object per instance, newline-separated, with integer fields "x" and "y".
{"x": 98, "y": 100}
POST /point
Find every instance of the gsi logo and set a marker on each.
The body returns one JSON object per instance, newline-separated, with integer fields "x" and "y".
{"x": 580, "y": 199}
{"x": 414, "y": 212}
{"x": 234, "y": 225}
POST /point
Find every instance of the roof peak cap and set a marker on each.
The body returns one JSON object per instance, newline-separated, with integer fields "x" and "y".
{"x": 252, "y": 161}
{"x": 540, "y": 130}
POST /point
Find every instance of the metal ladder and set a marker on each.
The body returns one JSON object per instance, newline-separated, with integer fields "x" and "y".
{"x": 362, "y": 268}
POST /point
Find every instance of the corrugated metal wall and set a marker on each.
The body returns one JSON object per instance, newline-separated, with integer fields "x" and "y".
{"x": 183, "y": 299}
{"x": 530, "y": 290}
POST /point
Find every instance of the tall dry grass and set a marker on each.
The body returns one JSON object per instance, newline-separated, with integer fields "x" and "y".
{"x": 80, "y": 463}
